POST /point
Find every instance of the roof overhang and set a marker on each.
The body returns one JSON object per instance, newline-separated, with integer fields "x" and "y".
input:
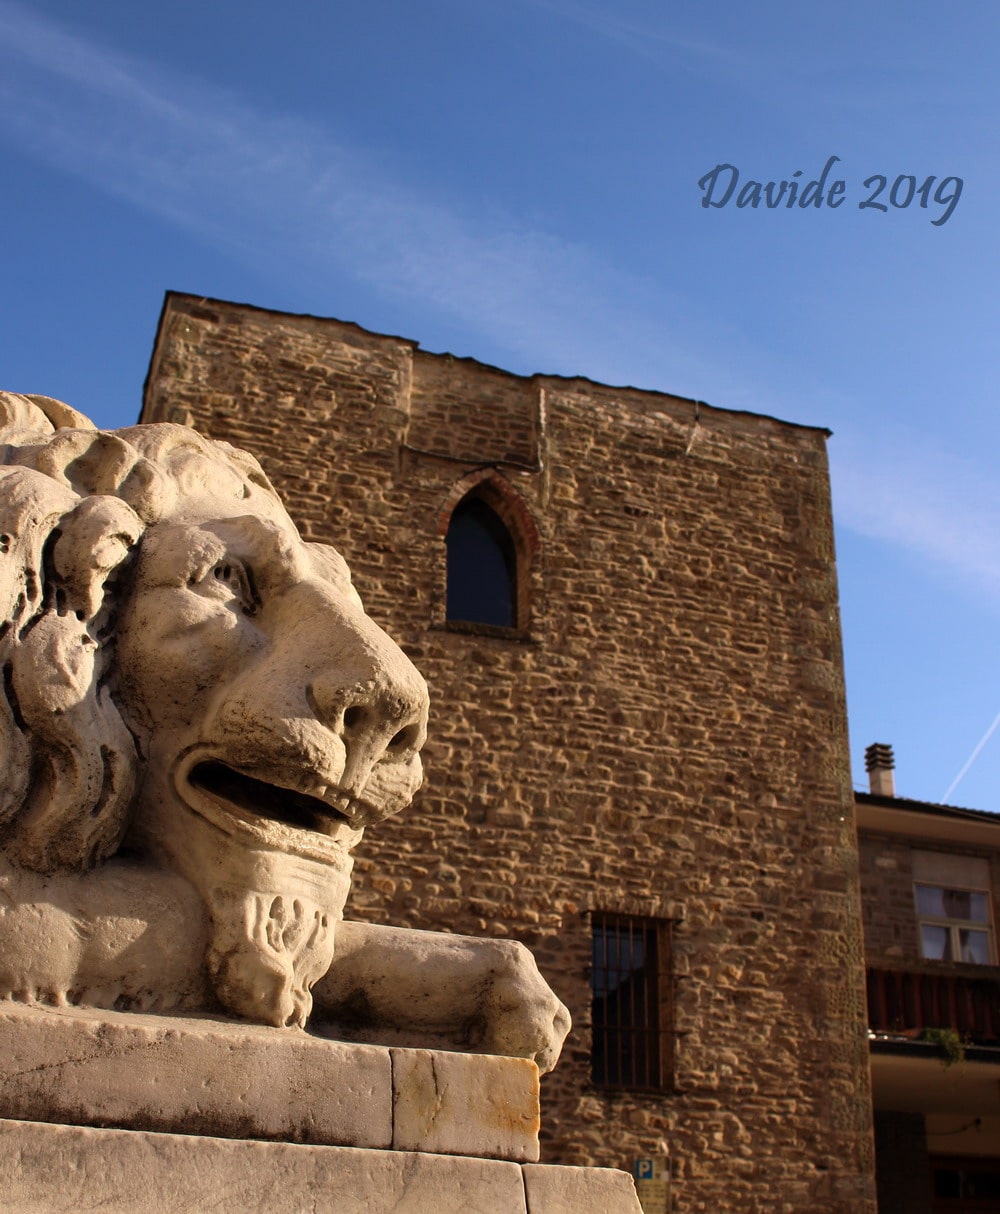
{"x": 930, "y": 824}
{"x": 916, "y": 1080}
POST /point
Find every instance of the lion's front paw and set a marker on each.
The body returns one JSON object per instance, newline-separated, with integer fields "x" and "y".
{"x": 523, "y": 1017}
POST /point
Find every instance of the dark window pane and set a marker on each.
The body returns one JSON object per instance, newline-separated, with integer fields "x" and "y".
{"x": 930, "y": 901}
{"x": 957, "y": 903}
{"x": 482, "y": 567}
{"x": 937, "y": 902}
{"x": 974, "y": 947}
{"x": 947, "y": 1182}
{"x": 935, "y": 942}
{"x": 983, "y": 1184}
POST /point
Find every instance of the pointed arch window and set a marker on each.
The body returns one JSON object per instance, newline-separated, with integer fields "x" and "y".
{"x": 482, "y": 566}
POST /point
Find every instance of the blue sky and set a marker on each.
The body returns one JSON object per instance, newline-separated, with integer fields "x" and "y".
{"x": 517, "y": 180}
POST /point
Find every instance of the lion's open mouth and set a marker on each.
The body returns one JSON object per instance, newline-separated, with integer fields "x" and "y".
{"x": 266, "y": 800}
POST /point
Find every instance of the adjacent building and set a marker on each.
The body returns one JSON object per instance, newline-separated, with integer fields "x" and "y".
{"x": 625, "y": 604}
{"x": 929, "y": 876}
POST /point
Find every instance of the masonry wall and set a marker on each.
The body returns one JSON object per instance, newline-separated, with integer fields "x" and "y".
{"x": 666, "y": 736}
{"x": 888, "y": 911}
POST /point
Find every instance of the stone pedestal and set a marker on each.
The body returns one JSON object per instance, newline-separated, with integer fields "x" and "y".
{"x": 153, "y": 1113}
{"x": 58, "y": 1169}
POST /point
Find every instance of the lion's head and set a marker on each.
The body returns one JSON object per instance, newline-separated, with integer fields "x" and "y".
{"x": 187, "y": 680}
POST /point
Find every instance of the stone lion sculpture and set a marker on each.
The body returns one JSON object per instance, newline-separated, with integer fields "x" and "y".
{"x": 198, "y": 722}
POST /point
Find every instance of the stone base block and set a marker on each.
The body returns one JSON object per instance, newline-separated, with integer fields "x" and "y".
{"x": 56, "y": 1169}
{"x": 214, "y": 1077}
{"x": 461, "y": 1104}
{"x": 551, "y": 1190}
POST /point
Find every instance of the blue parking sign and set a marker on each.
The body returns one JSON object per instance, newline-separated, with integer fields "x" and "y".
{"x": 643, "y": 1169}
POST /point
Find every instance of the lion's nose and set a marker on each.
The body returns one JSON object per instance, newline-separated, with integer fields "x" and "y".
{"x": 381, "y": 719}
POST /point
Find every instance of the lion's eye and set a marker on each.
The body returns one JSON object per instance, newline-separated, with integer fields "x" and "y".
{"x": 238, "y": 579}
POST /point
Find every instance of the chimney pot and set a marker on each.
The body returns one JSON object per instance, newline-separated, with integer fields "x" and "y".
{"x": 879, "y": 763}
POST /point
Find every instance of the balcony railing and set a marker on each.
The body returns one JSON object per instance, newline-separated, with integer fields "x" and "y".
{"x": 904, "y": 1002}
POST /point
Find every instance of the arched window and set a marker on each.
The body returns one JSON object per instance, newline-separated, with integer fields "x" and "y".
{"x": 482, "y": 566}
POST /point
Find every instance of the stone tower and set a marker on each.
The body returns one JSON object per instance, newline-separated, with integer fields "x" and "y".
{"x": 641, "y": 771}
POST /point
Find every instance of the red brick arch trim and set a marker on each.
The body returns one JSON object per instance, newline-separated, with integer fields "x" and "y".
{"x": 501, "y": 496}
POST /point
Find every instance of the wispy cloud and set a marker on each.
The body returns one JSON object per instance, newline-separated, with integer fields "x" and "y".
{"x": 293, "y": 199}
{"x": 893, "y": 485}
{"x": 651, "y": 41}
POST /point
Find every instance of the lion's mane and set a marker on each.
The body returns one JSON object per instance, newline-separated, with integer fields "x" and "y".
{"x": 74, "y": 502}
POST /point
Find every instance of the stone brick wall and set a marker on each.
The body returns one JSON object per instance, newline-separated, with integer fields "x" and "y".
{"x": 666, "y": 737}
{"x": 889, "y": 915}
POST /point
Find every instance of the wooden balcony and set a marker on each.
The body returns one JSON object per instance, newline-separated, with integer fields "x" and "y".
{"x": 906, "y": 1002}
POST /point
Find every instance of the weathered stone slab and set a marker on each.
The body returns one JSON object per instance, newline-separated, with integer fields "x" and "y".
{"x": 465, "y": 1104}
{"x": 576, "y": 1190}
{"x": 53, "y": 1169}
{"x": 196, "y": 1075}
{"x": 199, "y": 1076}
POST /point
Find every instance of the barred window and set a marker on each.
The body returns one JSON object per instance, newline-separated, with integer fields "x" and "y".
{"x": 632, "y": 1002}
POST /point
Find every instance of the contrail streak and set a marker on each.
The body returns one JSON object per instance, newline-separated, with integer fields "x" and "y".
{"x": 972, "y": 758}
